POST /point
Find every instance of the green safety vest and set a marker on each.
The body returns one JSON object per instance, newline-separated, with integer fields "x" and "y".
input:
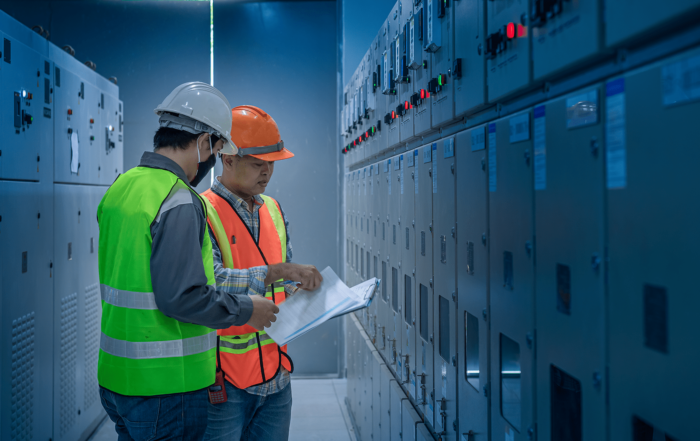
{"x": 143, "y": 352}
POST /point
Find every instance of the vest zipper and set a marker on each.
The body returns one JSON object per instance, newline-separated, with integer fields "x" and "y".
{"x": 262, "y": 368}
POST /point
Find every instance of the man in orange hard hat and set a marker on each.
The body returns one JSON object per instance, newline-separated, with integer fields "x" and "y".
{"x": 250, "y": 240}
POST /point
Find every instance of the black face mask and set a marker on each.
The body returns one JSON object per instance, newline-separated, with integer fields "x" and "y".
{"x": 204, "y": 169}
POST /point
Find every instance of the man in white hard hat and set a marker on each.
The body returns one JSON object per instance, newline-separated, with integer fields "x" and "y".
{"x": 159, "y": 300}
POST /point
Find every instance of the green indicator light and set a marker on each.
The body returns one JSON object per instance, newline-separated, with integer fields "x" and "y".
{"x": 439, "y": 80}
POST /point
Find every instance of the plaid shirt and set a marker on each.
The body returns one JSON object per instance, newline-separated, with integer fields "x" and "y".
{"x": 249, "y": 281}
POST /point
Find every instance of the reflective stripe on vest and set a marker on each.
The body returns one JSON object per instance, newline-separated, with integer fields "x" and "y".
{"x": 142, "y": 351}
{"x": 158, "y": 349}
{"x": 249, "y": 357}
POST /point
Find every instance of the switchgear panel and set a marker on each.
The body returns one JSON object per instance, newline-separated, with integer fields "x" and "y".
{"x": 397, "y": 402}
{"x": 628, "y": 21}
{"x": 27, "y": 127}
{"x": 26, "y": 236}
{"x": 404, "y": 109}
{"x": 407, "y": 243}
{"x": 469, "y": 64}
{"x": 511, "y": 281}
{"x": 445, "y": 298}
{"x": 394, "y": 269}
{"x": 409, "y": 420}
{"x": 565, "y": 35}
{"x": 472, "y": 283}
{"x": 507, "y": 48}
{"x": 440, "y": 44}
{"x": 381, "y": 134}
{"x": 421, "y": 72}
{"x": 651, "y": 313}
{"x": 391, "y": 72}
{"x": 421, "y": 384}
{"x": 570, "y": 300}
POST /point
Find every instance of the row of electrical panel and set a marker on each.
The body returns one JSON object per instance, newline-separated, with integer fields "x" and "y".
{"x": 536, "y": 271}
{"x": 434, "y": 62}
{"x": 62, "y": 132}
{"x": 62, "y": 121}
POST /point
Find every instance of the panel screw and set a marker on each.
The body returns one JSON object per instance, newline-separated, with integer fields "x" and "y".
{"x": 483, "y": 163}
{"x": 528, "y": 248}
{"x": 483, "y": 238}
{"x": 483, "y": 312}
{"x": 594, "y": 146}
{"x": 597, "y": 380}
{"x": 528, "y": 338}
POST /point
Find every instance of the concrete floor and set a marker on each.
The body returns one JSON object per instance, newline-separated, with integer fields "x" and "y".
{"x": 318, "y": 413}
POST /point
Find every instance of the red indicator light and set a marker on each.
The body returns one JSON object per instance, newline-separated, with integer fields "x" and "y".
{"x": 30, "y": 96}
{"x": 405, "y": 105}
{"x": 510, "y": 30}
{"x": 70, "y": 111}
{"x": 393, "y": 114}
{"x": 427, "y": 94}
{"x": 366, "y": 135}
{"x": 354, "y": 142}
{"x": 411, "y": 106}
{"x": 522, "y": 31}
{"x": 422, "y": 94}
{"x": 92, "y": 121}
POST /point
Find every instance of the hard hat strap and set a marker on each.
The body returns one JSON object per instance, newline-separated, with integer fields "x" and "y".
{"x": 261, "y": 150}
{"x": 187, "y": 124}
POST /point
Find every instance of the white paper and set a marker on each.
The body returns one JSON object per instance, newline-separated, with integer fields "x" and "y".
{"x": 519, "y": 128}
{"x": 74, "y": 152}
{"x": 306, "y": 310}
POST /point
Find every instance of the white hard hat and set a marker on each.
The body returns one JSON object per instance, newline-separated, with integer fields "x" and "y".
{"x": 198, "y": 107}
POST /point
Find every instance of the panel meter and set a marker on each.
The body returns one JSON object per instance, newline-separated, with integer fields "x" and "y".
{"x": 388, "y": 86}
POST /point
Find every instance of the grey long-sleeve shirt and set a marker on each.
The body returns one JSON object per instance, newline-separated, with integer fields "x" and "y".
{"x": 177, "y": 273}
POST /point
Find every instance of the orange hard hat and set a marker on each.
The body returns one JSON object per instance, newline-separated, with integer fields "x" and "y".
{"x": 255, "y": 133}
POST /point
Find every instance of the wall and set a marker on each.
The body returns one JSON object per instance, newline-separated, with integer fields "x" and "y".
{"x": 281, "y": 57}
{"x": 150, "y": 46}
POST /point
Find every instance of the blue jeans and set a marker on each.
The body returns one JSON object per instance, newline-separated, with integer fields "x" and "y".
{"x": 163, "y": 417}
{"x": 249, "y": 417}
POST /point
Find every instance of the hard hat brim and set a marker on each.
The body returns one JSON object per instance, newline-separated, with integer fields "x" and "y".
{"x": 274, "y": 156}
{"x": 229, "y": 147}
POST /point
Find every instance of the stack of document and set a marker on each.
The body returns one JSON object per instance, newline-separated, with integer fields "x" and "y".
{"x": 306, "y": 310}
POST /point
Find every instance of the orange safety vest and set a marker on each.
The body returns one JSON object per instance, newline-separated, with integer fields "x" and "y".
{"x": 248, "y": 357}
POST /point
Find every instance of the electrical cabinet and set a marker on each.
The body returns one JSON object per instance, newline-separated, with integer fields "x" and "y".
{"x": 394, "y": 282}
{"x": 439, "y": 24}
{"x": 472, "y": 283}
{"x": 651, "y": 305}
{"x": 409, "y": 420}
{"x": 511, "y": 281}
{"x": 565, "y": 35}
{"x": 74, "y": 153}
{"x": 570, "y": 298}
{"x": 383, "y": 332}
{"x": 385, "y": 406}
{"x": 507, "y": 48}
{"x": 112, "y": 151}
{"x": 421, "y": 384}
{"x": 397, "y": 399}
{"x": 381, "y": 135}
{"x": 27, "y": 324}
{"x": 445, "y": 299}
{"x": 403, "y": 75}
{"x": 469, "y": 65}
{"x": 628, "y": 20}
{"x": 390, "y": 73}
{"x": 377, "y": 413}
{"x": 408, "y": 264}
{"x": 76, "y": 310}
{"x": 367, "y": 424}
{"x": 27, "y": 129}
{"x": 421, "y": 66}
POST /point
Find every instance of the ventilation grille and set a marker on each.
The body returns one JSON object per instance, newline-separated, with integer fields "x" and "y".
{"x": 92, "y": 343}
{"x": 69, "y": 328}
{"x": 22, "y": 417}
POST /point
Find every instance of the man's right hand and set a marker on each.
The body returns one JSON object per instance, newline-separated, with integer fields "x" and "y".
{"x": 307, "y": 276}
{"x": 264, "y": 312}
